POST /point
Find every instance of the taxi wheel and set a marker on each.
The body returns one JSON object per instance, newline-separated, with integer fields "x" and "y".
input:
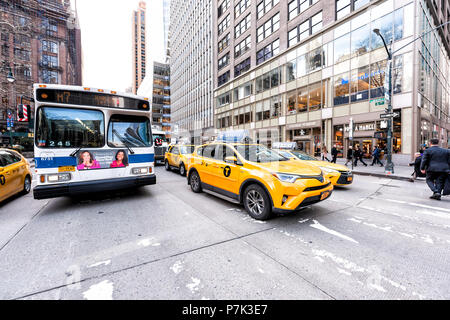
{"x": 27, "y": 185}
{"x": 182, "y": 170}
{"x": 195, "y": 182}
{"x": 257, "y": 203}
{"x": 166, "y": 164}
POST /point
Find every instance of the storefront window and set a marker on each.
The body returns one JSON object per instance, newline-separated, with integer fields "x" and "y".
{"x": 315, "y": 97}
{"x": 302, "y": 100}
{"x": 341, "y": 89}
{"x": 291, "y": 102}
{"x": 339, "y": 140}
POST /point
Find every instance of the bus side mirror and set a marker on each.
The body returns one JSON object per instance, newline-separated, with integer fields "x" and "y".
{"x": 232, "y": 160}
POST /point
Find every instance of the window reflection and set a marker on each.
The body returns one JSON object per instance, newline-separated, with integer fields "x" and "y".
{"x": 360, "y": 41}
{"x": 342, "y": 48}
{"x": 341, "y": 89}
{"x": 302, "y": 100}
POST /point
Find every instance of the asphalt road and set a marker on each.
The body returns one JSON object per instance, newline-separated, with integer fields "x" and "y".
{"x": 377, "y": 239}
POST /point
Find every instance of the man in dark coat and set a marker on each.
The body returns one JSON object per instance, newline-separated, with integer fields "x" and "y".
{"x": 436, "y": 165}
{"x": 334, "y": 154}
{"x": 358, "y": 155}
{"x": 349, "y": 155}
{"x": 376, "y": 156}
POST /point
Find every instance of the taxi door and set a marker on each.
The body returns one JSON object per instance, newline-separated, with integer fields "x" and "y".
{"x": 226, "y": 173}
{"x": 175, "y": 157}
{"x": 9, "y": 176}
{"x": 206, "y": 166}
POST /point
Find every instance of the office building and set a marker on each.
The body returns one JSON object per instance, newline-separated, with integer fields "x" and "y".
{"x": 191, "y": 50}
{"x": 300, "y": 70}
{"x": 139, "y": 46}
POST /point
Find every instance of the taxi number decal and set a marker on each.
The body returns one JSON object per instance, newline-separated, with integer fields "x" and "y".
{"x": 2, "y": 180}
{"x": 227, "y": 171}
{"x": 66, "y": 169}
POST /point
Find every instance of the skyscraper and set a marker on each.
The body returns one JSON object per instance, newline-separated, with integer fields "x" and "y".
{"x": 191, "y": 67}
{"x": 139, "y": 46}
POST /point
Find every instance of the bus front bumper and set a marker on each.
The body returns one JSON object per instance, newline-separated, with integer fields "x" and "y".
{"x": 79, "y": 188}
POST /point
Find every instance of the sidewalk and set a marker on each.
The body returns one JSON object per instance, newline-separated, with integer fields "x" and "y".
{"x": 400, "y": 172}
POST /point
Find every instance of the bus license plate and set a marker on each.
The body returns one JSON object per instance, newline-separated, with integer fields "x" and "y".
{"x": 324, "y": 195}
{"x": 66, "y": 169}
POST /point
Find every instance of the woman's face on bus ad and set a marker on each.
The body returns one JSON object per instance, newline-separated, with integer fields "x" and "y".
{"x": 86, "y": 157}
{"x": 120, "y": 156}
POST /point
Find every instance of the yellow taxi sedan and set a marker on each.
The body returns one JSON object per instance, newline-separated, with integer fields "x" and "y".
{"x": 15, "y": 174}
{"x": 260, "y": 179}
{"x": 177, "y": 157}
{"x": 338, "y": 174}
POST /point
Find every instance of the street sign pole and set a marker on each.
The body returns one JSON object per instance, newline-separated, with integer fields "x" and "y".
{"x": 389, "y": 165}
{"x": 351, "y": 138}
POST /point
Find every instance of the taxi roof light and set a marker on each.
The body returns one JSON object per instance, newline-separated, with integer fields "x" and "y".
{"x": 234, "y": 136}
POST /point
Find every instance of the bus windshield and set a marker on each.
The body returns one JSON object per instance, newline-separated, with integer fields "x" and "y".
{"x": 129, "y": 131}
{"x": 69, "y": 128}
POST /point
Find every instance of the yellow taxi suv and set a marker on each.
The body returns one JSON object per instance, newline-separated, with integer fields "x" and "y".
{"x": 177, "y": 157}
{"x": 260, "y": 179}
{"x": 339, "y": 175}
{"x": 15, "y": 174}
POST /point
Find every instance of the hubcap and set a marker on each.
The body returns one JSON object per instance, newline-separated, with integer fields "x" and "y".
{"x": 182, "y": 169}
{"x": 194, "y": 181}
{"x": 255, "y": 202}
{"x": 167, "y": 165}
{"x": 27, "y": 184}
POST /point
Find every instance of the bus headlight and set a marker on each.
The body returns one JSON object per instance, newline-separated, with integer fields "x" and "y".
{"x": 139, "y": 170}
{"x": 62, "y": 177}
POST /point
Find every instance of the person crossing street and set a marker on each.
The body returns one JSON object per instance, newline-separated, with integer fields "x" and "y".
{"x": 358, "y": 155}
{"x": 334, "y": 154}
{"x": 349, "y": 155}
{"x": 376, "y": 157}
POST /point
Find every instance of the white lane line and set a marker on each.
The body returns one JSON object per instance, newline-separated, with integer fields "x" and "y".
{"x": 101, "y": 291}
{"x": 98, "y": 264}
{"x": 194, "y": 286}
{"x": 434, "y": 214}
{"x": 320, "y": 227}
{"x": 415, "y": 204}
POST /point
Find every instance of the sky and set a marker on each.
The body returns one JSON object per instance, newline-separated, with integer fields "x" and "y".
{"x": 106, "y": 39}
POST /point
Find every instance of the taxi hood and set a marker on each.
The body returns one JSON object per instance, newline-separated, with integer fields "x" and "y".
{"x": 297, "y": 167}
{"x": 330, "y": 165}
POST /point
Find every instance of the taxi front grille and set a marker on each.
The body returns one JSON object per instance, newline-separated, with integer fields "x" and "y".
{"x": 317, "y": 188}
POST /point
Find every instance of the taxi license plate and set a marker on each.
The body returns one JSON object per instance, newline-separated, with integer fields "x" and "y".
{"x": 324, "y": 195}
{"x": 350, "y": 179}
{"x": 66, "y": 169}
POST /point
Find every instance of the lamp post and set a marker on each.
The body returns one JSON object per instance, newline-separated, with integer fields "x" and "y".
{"x": 388, "y": 96}
{"x": 11, "y": 80}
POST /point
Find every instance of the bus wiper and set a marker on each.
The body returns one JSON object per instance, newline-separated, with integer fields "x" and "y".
{"x": 73, "y": 154}
{"x": 123, "y": 141}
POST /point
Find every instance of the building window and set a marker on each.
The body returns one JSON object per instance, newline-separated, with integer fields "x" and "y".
{"x": 243, "y": 26}
{"x": 360, "y": 41}
{"x": 265, "y": 6}
{"x": 305, "y": 29}
{"x": 268, "y": 52}
{"x": 49, "y": 61}
{"x": 50, "y": 77}
{"x": 22, "y": 54}
{"x": 296, "y": 7}
{"x": 344, "y": 7}
{"x": 224, "y": 99}
{"x": 272, "y": 25}
{"x": 224, "y": 61}
{"x": 241, "y": 7}
{"x": 222, "y": 8}
{"x": 224, "y": 78}
{"x": 342, "y": 48}
{"x": 242, "y": 47}
{"x": 224, "y": 24}
{"x": 341, "y": 89}
{"x": 243, "y": 91}
{"x": 359, "y": 85}
{"x": 223, "y": 44}
{"x": 242, "y": 67}
{"x": 49, "y": 46}
{"x": 268, "y": 80}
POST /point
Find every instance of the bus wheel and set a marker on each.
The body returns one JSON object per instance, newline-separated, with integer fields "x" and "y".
{"x": 257, "y": 203}
{"x": 194, "y": 181}
{"x": 182, "y": 170}
{"x": 166, "y": 164}
{"x": 27, "y": 185}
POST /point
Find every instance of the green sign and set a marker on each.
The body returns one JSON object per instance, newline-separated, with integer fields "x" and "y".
{"x": 379, "y": 101}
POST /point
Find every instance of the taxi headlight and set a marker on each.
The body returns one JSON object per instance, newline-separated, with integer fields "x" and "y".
{"x": 328, "y": 170}
{"x": 290, "y": 178}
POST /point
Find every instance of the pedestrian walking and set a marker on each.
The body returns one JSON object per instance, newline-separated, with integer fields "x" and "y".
{"x": 358, "y": 155}
{"x": 334, "y": 153}
{"x": 325, "y": 154}
{"x": 416, "y": 164}
{"x": 349, "y": 155}
{"x": 376, "y": 157}
{"x": 436, "y": 165}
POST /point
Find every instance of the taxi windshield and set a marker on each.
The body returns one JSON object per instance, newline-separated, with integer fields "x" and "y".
{"x": 303, "y": 156}
{"x": 260, "y": 154}
{"x": 285, "y": 154}
{"x": 187, "y": 149}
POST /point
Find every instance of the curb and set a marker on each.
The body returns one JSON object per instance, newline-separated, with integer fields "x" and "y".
{"x": 381, "y": 175}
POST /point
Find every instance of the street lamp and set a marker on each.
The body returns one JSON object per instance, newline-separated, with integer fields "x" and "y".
{"x": 388, "y": 96}
{"x": 10, "y": 77}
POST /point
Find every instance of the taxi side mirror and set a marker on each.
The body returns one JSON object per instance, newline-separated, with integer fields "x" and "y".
{"x": 232, "y": 160}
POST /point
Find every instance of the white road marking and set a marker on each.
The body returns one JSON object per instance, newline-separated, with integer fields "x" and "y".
{"x": 415, "y": 204}
{"x": 101, "y": 291}
{"x": 194, "y": 286}
{"x": 343, "y": 272}
{"x": 320, "y": 227}
{"x": 98, "y": 264}
{"x": 303, "y": 221}
{"x": 434, "y": 214}
{"x": 177, "y": 267}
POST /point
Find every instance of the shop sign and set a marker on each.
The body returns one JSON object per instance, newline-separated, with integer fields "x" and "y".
{"x": 362, "y": 127}
{"x": 305, "y": 125}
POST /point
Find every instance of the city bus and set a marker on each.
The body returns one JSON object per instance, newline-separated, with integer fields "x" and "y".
{"x": 90, "y": 140}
